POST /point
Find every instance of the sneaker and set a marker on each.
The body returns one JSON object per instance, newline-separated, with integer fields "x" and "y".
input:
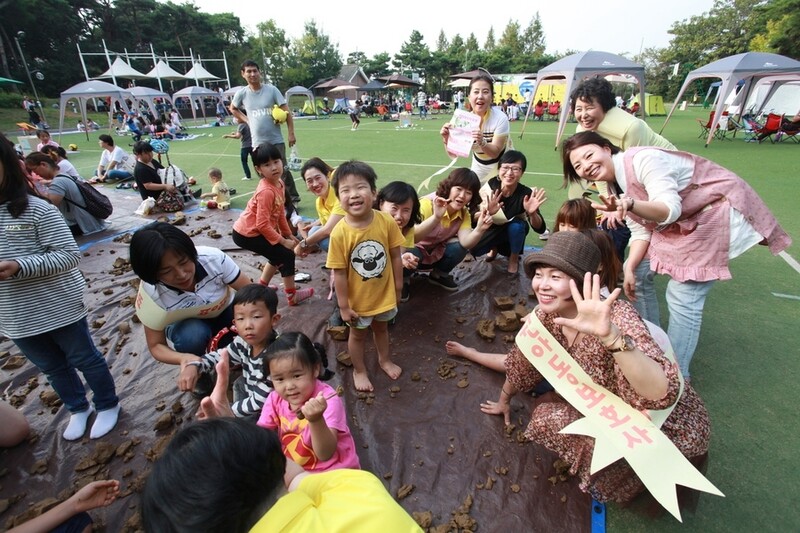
{"x": 406, "y": 293}
{"x": 246, "y": 178}
{"x": 445, "y": 281}
{"x": 544, "y": 236}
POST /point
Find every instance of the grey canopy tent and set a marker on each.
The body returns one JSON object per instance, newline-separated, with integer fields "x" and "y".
{"x": 750, "y": 67}
{"x": 149, "y": 97}
{"x": 196, "y": 94}
{"x": 87, "y": 90}
{"x": 372, "y": 86}
{"x": 577, "y": 67}
{"x": 310, "y": 104}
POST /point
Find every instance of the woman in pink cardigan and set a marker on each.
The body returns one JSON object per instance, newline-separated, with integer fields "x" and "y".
{"x": 692, "y": 216}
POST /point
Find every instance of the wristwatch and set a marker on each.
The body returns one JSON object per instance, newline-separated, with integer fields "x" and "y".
{"x": 627, "y": 345}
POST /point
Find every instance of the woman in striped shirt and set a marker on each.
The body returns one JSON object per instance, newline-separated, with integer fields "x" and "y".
{"x": 39, "y": 265}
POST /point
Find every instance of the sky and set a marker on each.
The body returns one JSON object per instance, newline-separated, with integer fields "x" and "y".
{"x": 625, "y": 26}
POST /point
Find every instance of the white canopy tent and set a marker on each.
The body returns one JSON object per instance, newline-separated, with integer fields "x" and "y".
{"x": 232, "y": 91}
{"x": 162, "y": 71}
{"x": 196, "y": 95}
{"x": 149, "y": 97}
{"x": 198, "y": 73}
{"x": 750, "y": 67}
{"x": 121, "y": 69}
{"x": 87, "y": 90}
{"x": 576, "y": 68}
{"x": 766, "y": 92}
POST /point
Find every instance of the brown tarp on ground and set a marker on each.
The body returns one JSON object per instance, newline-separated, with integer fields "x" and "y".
{"x": 429, "y": 433}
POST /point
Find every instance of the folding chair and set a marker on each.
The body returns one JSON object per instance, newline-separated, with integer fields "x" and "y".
{"x": 770, "y": 128}
{"x": 750, "y": 129}
{"x": 705, "y": 126}
{"x": 788, "y": 132}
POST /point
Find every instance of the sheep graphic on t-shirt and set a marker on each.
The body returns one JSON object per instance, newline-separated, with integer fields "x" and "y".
{"x": 368, "y": 259}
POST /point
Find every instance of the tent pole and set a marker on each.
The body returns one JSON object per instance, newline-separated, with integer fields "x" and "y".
{"x": 83, "y": 64}
{"x": 227, "y": 74}
{"x": 155, "y": 64}
{"x": 110, "y": 66}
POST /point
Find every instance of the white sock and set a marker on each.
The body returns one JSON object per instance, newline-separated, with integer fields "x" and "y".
{"x": 77, "y": 424}
{"x": 105, "y": 422}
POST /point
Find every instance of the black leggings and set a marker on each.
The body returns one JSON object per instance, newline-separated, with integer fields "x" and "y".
{"x": 277, "y": 255}
{"x": 246, "y": 152}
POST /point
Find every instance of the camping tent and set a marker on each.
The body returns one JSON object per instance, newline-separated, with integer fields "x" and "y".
{"x": 309, "y": 102}
{"x": 577, "y": 67}
{"x": 149, "y": 97}
{"x": 750, "y": 67}
{"x": 653, "y": 104}
{"x": 85, "y": 91}
{"x": 196, "y": 96}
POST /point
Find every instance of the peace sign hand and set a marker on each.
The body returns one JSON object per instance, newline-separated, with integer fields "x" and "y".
{"x": 594, "y": 313}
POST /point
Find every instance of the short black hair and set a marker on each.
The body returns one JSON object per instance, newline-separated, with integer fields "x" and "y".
{"x": 228, "y": 471}
{"x": 398, "y": 192}
{"x": 255, "y": 292}
{"x": 354, "y": 168}
{"x": 142, "y": 147}
{"x": 108, "y": 139}
{"x": 595, "y": 89}
{"x": 296, "y": 345}
{"x": 249, "y": 63}
{"x": 576, "y": 141}
{"x": 265, "y": 153}
{"x": 150, "y": 243}
{"x": 514, "y": 156}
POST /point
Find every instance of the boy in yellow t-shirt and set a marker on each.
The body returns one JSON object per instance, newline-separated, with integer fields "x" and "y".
{"x": 364, "y": 255}
{"x": 219, "y": 190}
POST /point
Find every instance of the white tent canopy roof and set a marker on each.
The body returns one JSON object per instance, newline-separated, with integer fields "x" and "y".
{"x": 577, "y": 67}
{"x": 199, "y": 73}
{"x": 165, "y": 72}
{"x": 196, "y": 93}
{"x": 299, "y": 89}
{"x": 121, "y": 69}
{"x": 750, "y": 67}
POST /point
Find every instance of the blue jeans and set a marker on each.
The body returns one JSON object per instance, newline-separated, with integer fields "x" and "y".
{"x": 646, "y": 298}
{"x": 685, "y": 301}
{"x": 511, "y": 240}
{"x": 454, "y": 253}
{"x": 323, "y": 244}
{"x": 63, "y": 351}
{"x": 192, "y": 334}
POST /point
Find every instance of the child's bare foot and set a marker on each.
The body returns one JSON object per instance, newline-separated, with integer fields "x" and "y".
{"x": 391, "y": 369}
{"x": 455, "y": 348}
{"x": 362, "y": 382}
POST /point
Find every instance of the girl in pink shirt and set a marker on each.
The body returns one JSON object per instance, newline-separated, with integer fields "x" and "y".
{"x": 307, "y": 414}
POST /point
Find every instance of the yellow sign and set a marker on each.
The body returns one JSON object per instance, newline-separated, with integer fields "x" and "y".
{"x": 619, "y": 430}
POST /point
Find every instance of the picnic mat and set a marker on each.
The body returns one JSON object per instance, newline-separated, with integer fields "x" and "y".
{"x": 423, "y": 435}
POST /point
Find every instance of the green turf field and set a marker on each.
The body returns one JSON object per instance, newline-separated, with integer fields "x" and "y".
{"x": 748, "y": 360}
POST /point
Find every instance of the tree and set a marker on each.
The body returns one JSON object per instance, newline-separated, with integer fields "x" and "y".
{"x": 490, "y": 44}
{"x": 414, "y": 55}
{"x": 377, "y": 66}
{"x": 777, "y": 28}
{"x": 533, "y": 40}
{"x": 311, "y": 58}
{"x": 441, "y": 43}
{"x": 356, "y": 58}
{"x": 272, "y": 46}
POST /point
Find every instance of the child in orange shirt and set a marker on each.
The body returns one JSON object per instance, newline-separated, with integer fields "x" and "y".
{"x": 262, "y": 227}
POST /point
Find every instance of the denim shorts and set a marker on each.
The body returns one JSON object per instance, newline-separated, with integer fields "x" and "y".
{"x": 365, "y": 321}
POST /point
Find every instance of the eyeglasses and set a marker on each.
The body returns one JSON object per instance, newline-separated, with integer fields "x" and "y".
{"x": 515, "y": 170}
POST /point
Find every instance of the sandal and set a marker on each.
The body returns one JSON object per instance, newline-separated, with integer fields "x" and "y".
{"x": 295, "y": 296}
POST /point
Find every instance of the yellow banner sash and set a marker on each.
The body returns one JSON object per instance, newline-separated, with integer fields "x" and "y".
{"x": 155, "y": 317}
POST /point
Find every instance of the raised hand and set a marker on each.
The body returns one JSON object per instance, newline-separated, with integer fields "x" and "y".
{"x": 493, "y": 203}
{"x": 594, "y": 313}
{"x": 439, "y": 206}
{"x": 217, "y": 405}
{"x": 534, "y": 201}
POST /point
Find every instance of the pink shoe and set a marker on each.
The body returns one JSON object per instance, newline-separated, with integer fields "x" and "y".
{"x": 295, "y": 296}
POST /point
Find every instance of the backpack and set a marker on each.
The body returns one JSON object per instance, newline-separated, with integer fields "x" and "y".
{"x": 97, "y": 204}
{"x": 174, "y": 175}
